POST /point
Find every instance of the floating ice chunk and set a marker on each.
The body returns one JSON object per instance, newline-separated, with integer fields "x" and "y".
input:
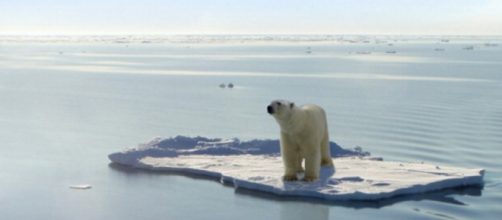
{"x": 354, "y": 178}
{"x": 257, "y": 165}
{"x": 81, "y": 186}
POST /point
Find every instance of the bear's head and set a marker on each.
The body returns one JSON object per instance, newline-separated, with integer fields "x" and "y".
{"x": 280, "y": 109}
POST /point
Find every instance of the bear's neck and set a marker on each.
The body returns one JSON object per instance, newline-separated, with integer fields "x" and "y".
{"x": 293, "y": 123}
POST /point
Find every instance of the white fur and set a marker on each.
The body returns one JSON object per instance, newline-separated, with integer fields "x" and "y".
{"x": 304, "y": 135}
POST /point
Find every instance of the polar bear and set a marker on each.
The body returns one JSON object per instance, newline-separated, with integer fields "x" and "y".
{"x": 304, "y": 135}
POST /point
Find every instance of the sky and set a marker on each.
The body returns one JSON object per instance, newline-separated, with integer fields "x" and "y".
{"x": 434, "y": 17}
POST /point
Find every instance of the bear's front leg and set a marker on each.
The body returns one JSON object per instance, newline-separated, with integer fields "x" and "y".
{"x": 289, "y": 153}
{"x": 290, "y": 168}
{"x": 312, "y": 164}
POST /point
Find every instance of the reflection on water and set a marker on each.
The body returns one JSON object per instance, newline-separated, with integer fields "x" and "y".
{"x": 304, "y": 211}
{"x": 444, "y": 196}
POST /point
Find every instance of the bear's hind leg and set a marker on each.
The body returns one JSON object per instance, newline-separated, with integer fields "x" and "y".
{"x": 326, "y": 152}
{"x": 312, "y": 164}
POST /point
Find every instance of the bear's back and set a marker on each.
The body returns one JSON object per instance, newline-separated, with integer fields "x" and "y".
{"x": 314, "y": 113}
{"x": 313, "y": 109}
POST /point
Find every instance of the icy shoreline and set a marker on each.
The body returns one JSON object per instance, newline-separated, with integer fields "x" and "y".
{"x": 256, "y": 165}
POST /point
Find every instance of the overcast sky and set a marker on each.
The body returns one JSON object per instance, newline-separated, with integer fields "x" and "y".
{"x": 480, "y": 17}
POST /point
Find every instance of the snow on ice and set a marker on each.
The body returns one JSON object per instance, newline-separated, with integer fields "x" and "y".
{"x": 257, "y": 165}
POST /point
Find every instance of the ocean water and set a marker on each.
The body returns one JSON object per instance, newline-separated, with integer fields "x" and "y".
{"x": 64, "y": 106}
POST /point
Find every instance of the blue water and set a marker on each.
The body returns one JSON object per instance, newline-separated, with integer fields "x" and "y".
{"x": 65, "y": 106}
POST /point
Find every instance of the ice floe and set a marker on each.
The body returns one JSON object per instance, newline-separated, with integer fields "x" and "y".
{"x": 256, "y": 165}
{"x": 81, "y": 186}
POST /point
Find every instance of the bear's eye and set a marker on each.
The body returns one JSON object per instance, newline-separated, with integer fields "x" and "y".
{"x": 279, "y": 104}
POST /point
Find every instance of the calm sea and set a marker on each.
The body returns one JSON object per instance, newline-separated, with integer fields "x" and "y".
{"x": 65, "y": 106}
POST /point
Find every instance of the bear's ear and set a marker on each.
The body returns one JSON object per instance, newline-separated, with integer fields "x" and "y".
{"x": 292, "y": 105}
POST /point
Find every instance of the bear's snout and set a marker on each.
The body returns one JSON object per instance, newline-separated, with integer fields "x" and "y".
{"x": 270, "y": 109}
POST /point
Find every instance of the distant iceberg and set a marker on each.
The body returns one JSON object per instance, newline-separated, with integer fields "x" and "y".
{"x": 257, "y": 165}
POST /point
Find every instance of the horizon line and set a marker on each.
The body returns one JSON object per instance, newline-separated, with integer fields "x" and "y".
{"x": 235, "y": 34}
